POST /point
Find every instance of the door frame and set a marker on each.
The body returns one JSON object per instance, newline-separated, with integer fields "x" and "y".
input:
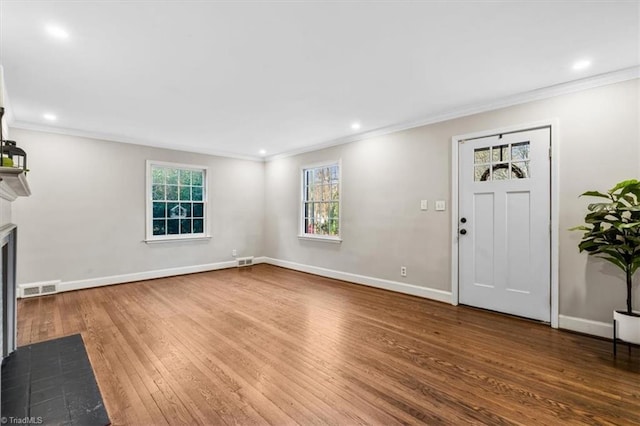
{"x": 555, "y": 208}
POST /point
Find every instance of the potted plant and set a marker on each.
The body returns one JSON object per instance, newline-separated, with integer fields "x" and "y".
{"x": 612, "y": 232}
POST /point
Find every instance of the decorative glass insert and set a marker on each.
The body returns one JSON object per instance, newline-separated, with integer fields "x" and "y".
{"x": 501, "y": 162}
{"x": 501, "y": 172}
{"x": 177, "y": 201}
{"x": 500, "y": 153}
{"x": 482, "y": 155}
{"x": 321, "y": 200}
{"x": 520, "y": 151}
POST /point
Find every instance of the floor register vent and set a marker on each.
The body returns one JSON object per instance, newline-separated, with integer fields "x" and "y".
{"x": 40, "y": 289}
{"x": 245, "y": 261}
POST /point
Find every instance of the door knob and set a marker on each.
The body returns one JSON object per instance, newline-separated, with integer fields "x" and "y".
{"x": 463, "y": 220}
{"x": 463, "y": 231}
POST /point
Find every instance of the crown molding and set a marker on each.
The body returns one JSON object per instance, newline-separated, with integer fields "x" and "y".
{"x": 464, "y": 111}
{"x": 24, "y": 125}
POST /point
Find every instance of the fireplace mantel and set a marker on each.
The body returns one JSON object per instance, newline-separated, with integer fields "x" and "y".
{"x": 13, "y": 183}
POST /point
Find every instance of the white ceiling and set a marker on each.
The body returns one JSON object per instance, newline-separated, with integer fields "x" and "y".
{"x": 238, "y": 77}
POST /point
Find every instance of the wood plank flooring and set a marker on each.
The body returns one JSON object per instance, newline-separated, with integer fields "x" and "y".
{"x": 266, "y": 345}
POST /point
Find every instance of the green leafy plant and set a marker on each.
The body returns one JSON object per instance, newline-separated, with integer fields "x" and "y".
{"x": 612, "y": 229}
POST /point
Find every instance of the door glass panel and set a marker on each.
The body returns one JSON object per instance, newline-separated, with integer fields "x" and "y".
{"x": 520, "y": 170}
{"x": 501, "y": 172}
{"x": 520, "y": 151}
{"x": 501, "y": 162}
{"x": 479, "y": 171}
{"x": 481, "y": 156}
{"x": 500, "y": 153}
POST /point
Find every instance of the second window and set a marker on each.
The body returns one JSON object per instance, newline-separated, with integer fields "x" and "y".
{"x": 321, "y": 200}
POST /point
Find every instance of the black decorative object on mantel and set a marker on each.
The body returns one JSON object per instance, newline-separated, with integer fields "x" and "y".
{"x": 10, "y": 154}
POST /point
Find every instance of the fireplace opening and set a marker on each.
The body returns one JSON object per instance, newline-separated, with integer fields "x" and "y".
{"x": 8, "y": 236}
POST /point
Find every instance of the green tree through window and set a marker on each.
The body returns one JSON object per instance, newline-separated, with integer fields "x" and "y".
{"x": 178, "y": 201}
{"x": 321, "y": 200}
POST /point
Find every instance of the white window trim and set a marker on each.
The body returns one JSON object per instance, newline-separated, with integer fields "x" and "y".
{"x": 314, "y": 237}
{"x": 172, "y": 239}
{"x": 322, "y": 238}
{"x": 149, "y": 237}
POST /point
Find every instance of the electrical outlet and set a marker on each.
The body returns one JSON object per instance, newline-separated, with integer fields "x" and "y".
{"x": 403, "y": 271}
{"x": 234, "y": 252}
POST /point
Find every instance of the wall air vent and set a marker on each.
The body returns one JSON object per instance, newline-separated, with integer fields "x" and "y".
{"x": 49, "y": 288}
{"x": 245, "y": 261}
{"x": 30, "y": 291}
{"x": 39, "y": 289}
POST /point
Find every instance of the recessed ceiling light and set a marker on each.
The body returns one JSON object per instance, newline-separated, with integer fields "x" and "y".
{"x": 263, "y": 152}
{"x": 49, "y": 117}
{"x": 57, "y": 32}
{"x": 581, "y": 65}
{"x": 355, "y": 126}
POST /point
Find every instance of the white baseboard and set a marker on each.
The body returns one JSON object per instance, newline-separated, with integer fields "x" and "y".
{"x": 414, "y": 290}
{"x": 428, "y": 293}
{"x": 581, "y": 325}
{"x": 136, "y": 276}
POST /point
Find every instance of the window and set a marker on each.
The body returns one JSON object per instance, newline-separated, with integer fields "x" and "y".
{"x": 502, "y": 162}
{"x": 176, "y": 201}
{"x": 321, "y": 201}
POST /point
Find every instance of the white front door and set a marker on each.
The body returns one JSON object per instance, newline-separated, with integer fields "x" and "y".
{"x": 504, "y": 229}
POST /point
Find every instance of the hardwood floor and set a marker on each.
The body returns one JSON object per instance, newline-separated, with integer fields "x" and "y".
{"x": 268, "y": 345}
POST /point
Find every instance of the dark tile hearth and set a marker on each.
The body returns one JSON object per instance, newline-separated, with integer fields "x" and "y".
{"x": 54, "y": 381}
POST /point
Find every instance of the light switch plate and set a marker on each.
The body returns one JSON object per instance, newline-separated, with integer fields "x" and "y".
{"x": 441, "y": 205}
{"x": 424, "y": 205}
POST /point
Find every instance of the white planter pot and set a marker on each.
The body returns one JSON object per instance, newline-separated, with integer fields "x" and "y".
{"x": 627, "y": 327}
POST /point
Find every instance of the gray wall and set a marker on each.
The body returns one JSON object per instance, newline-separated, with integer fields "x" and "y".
{"x": 385, "y": 177}
{"x": 86, "y": 217}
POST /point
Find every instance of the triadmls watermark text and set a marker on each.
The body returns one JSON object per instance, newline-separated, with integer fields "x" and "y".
{"x": 21, "y": 420}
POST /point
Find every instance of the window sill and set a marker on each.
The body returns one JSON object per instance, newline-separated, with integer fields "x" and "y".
{"x": 323, "y": 238}
{"x": 176, "y": 240}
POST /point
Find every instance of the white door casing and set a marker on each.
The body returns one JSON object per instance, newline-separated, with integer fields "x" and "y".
{"x": 504, "y": 199}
